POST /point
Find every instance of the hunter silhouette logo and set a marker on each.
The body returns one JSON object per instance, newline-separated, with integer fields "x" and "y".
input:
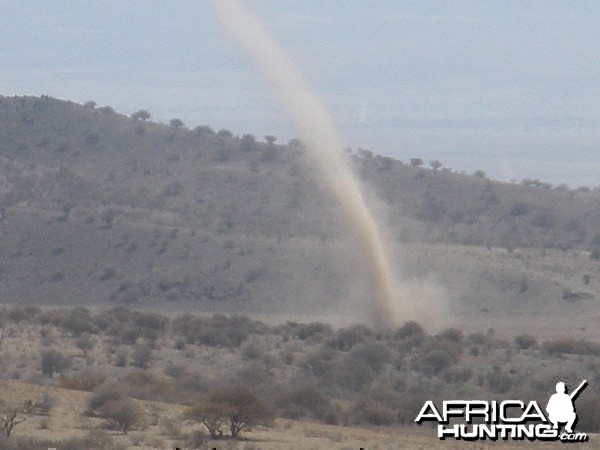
{"x": 508, "y": 419}
{"x": 560, "y": 406}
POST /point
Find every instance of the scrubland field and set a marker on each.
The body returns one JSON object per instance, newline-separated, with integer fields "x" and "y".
{"x": 72, "y": 375}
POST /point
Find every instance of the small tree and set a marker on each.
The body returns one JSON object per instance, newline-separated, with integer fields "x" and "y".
{"x": 416, "y": 162}
{"x": 104, "y": 394}
{"x": 435, "y": 164}
{"x": 202, "y": 130}
{"x": 123, "y": 414}
{"x": 225, "y": 133}
{"x": 211, "y": 414}
{"x": 525, "y": 341}
{"x": 270, "y": 139}
{"x": 54, "y": 361}
{"x": 244, "y": 408}
{"x": 9, "y": 418}
{"x": 142, "y": 355}
{"x": 84, "y": 343}
{"x": 142, "y": 114}
{"x": 238, "y": 406}
{"x": 295, "y": 142}
{"x": 247, "y": 143}
{"x": 176, "y": 123}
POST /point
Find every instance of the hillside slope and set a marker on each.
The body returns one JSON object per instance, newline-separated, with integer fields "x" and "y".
{"x": 98, "y": 207}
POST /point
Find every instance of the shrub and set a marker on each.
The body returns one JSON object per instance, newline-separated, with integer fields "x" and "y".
{"x": 345, "y": 338}
{"x": 525, "y": 341}
{"x": 373, "y": 354}
{"x": 434, "y": 361}
{"x": 187, "y": 386}
{"x": 411, "y": 401}
{"x": 453, "y": 335}
{"x": 141, "y": 114}
{"x": 152, "y": 325}
{"x": 87, "y": 381}
{"x": 411, "y": 334}
{"x": 203, "y": 130}
{"x": 85, "y": 344}
{"x": 179, "y": 344}
{"x": 18, "y": 313}
{"x": 303, "y": 401}
{"x": 144, "y": 385}
{"x": 142, "y": 355}
{"x": 578, "y": 347}
{"x": 316, "y": 330}
{"x": 373, "y": 413}
{"x": 458, "y": 374}
{"x": 103, "y": 394}
{"x": 121, "y": 358}
{"x": 248, "y": 143}
{"x": 53, "y": 361}
{"x": 243, "y": 408}
{"x": 498, "y": 381}
{"x": 353, "y": 374}
{"x": 78, "y": 321}
{"x": 44, "y": 405}
{"x": 218, "y": 331}
{"x": 123, "y": 414}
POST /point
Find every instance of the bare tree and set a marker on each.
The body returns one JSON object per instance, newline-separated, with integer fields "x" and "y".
{"x": 9, "y": 418}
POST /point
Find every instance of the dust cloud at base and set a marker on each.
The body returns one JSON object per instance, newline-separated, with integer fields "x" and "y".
{"x": 388, "y": 307}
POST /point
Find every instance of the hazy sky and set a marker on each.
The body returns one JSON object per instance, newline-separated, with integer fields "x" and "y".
{"x": 509, "y": 87}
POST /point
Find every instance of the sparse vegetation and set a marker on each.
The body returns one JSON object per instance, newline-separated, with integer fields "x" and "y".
{"x": 101, "y": 209}
{"x": 351, "y": 375}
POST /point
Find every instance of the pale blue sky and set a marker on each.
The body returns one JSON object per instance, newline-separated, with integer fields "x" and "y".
{"x": 510, "y": 87}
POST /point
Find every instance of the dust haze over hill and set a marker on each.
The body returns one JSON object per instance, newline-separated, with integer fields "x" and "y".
{"x": 100, "y": 209}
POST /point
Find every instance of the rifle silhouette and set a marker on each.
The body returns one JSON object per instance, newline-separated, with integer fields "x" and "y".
{"x": 576, "y": 392}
